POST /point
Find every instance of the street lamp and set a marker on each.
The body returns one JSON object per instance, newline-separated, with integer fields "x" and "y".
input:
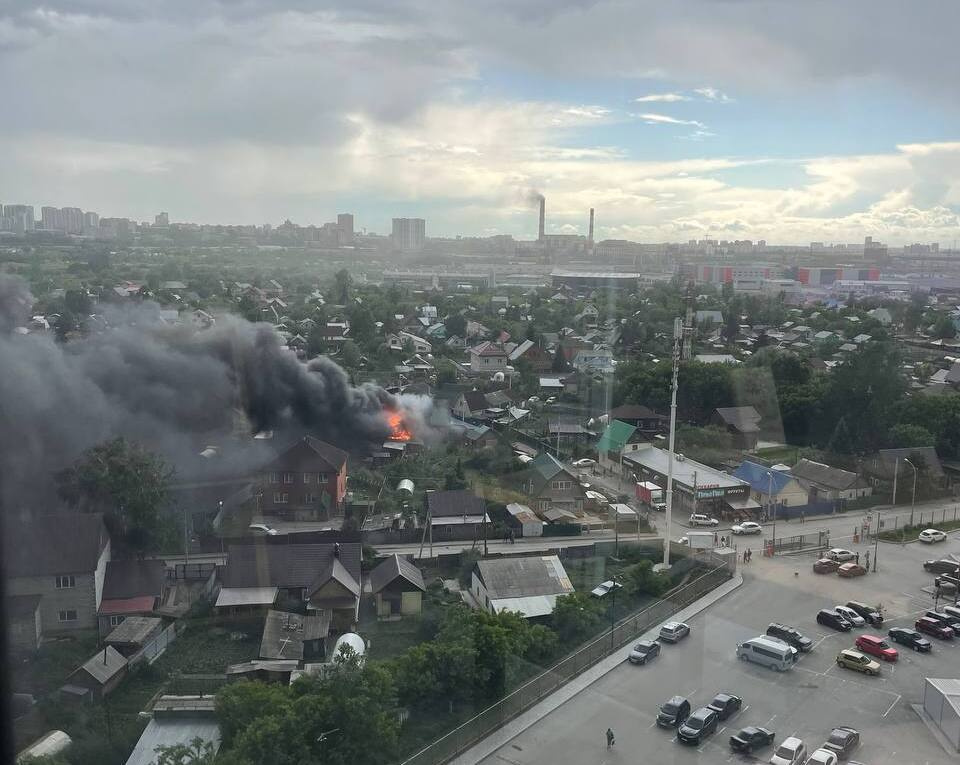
{"x": 613, "y": 608}
{"x": 771, "y": 509}
{"x": 913, "y": 498}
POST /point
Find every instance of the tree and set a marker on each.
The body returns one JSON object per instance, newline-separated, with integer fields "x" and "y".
{"x": 362, "y": 325}
{"x": 349, "y": 355}
{"x": 944, "y": 328}
{"x": 841, "y": 442}
{"x": 640, "y": 578}
{"x": 197, "y": 752}
{"x": 341, "y": 286}
{"x": 126, "y": 483}
{"x": 456, "y": 324}
{"x": 906, "y": 435}
{"x": 575, "y": 617}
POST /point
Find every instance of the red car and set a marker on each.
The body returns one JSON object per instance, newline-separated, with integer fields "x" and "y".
{"x": 933, "y": 627}
{"x": 877, "y": 646}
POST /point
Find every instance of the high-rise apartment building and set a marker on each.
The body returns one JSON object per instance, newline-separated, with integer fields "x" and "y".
{"x": 20, "y": 216}
{"x": 91, "y": 223}
{"x": 72, "y": 219}
{"x": 345, "y": 228}
{"x": 409, "y": 233}
{"x": 51, "y": 219}
{"x": 161, "y": 219}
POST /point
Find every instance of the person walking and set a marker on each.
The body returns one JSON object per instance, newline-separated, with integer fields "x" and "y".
{"x": 749, "y": 555}
{"x": 858, "y": 559}
{"x": 867, "y": 558}
{"x": 716, "y": 538}
{"x": 610, "y": 738}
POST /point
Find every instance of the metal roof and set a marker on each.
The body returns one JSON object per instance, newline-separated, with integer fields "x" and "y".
{"x": 246, "y": 596}
{"x": 104, "y": 665}
{"x": 655, "y": 459}
{"x": 393, "y": 568}
{"x": 536, "y": 605}
{"x": 134, "y": 629}
{"x": 524, "y": 577}
{"x": 285, "y": 633}
{"x": 171, "y": 731}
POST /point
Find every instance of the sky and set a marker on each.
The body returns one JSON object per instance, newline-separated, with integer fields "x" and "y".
{"x": 734, "y": 119}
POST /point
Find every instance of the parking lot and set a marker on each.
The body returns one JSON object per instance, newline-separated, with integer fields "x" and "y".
{"x": 806, "y": 701}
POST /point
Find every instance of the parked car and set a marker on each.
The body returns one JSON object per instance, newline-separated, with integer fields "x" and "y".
{"x": 700, "y": 724}
{"x": 750, "y": 738}
{"x": 790, "y": 752}
{"x": 840, "y": 555}
{"x": 262, "y": 528}
{"x": 725, "y": 704}
{"x": 869, "y": 613}
{"x": 698, "y": 519}
{"x": 643, "y": 651}
{"x": 747, "y": 527}
{"x": 942, "y": 566}
{"x": 825, "y": 566}
{"x": 603, "y": 589}
{"x": 850, "y": 615}
{"x": 674, "y": 631}
{"x": 673, "y": 712}
{"x": 842, "y": 741}
{"x": 790, "y": 636}
{"x": 945, "y": 619}
{"x": 910, "y": 638}
{"x": 952, "y": 611}
{"x": 932, "y": 627}
{"x": 850, "y": 570}
{"x": 832, "y": 619}
{"x": 877, "y": 646}
{"x": 932, "y": 535}
{"x": 858, "y": 662}
{"x": 585, "y": 462}
{"x": 822, "y": 757}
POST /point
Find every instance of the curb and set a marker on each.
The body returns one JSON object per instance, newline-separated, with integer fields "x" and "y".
{"x": 487, "y": 746}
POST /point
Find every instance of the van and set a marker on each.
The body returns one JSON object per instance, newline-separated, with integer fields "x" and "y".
{"x": 768, "y": 652}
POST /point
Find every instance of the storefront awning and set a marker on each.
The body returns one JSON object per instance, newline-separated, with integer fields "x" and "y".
{"x": 743, "y": 504}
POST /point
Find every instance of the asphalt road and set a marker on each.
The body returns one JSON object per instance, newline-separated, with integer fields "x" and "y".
{"x": 806, "y": 701}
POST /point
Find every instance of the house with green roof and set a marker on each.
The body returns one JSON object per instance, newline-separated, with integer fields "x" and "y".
{"x": 612, "y": 443}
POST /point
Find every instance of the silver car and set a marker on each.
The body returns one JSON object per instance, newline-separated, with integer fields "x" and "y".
{"x": 672, "y": 632}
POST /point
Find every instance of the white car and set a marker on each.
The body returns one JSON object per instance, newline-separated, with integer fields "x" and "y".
{"x": 698, "y": 519}
{"x": 790, "y": 752}
{"x": 747, "y": 527}
{"x": 932, "y": 535}
{"x": 850, "y": 615}
{"x": 840, "y": 555}
{"x": 262, "y": 528}
{"x": 585, "y": 463}
{"x": 604, "y": 588}
{"x": 822, "y": 757}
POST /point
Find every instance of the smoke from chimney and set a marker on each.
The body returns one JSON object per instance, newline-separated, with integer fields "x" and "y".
{"x": 173, "y": 389}
{"x": 543, "y": 212}
{"x": 590, "y": 234}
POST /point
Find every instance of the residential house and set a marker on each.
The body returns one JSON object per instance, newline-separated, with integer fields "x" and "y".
{"x": 882, "y": 315}
{"x": 769, "y": 486}
{"x": 549, "y": 485}
{"x": 610, "y": 447}
{"x": 594, "y": 361}
{"x": 588, "y": 314}
{"x": 397, "y": 587}
{"x": 488, "y": 357}
{"x": 552, "y": 385}
{"x": 529, "y": 586}
{"x": 479, "y": 436}
{"x": 743, "y": 422}
{"x": 98, "y": 676}
{"x": 647, "y": 422}
{"x": 177, "y": 721}
{"x": 524, "y": 520}
{"x": 471, "y": 405}
{"x": 882, "y": 464}
{"x": 323, "y": 576}
{"x": 130, "y": 588}
{"x": 461, "y": 509}
{"x": 398, "y": 341}
{"x": 134, "y": 633}
{"x": 23, "y": 623}
{"x": 566, "y": 429}
{"x": 308, "y": 481}
{"x": 63, "y": 559}
{"x": 295, "y": 636}
{"x": 530, "y": 352}
{"x": 823, "y": 482}
{"x": 708, "y": 319}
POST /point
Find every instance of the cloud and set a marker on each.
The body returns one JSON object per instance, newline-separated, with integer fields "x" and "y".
{"x": 712, "y": 94}
{"x": 667, "y": 98}
{"x": 665, "y": 119}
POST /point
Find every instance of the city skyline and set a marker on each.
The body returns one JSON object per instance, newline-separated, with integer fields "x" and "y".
{"x": 715, "y": 120}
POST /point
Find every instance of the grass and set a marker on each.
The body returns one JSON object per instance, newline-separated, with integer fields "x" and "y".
{"x": 389, "y": 639}
{"x": 48, "y": 669}
{"x": 789, "y": 455}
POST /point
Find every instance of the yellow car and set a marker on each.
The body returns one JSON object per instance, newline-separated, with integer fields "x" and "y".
{"x": 857, "y": 661}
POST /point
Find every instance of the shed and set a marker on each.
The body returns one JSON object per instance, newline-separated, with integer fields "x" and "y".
{"x": 133, "y": 632}
{"x": 397, "y": 587}
{"x": 177, "y": 720}
{"x": 24, "y": 628}
{"x": 294, "y": 636}
{"x": 522, "y": 517}
{"x": 101, "y": 673}
{"x": 529, "y": 585}
{"x": 941, "y": 703}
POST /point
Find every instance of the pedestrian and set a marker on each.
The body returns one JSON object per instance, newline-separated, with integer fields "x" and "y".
{"x": 858, "y": 559}
{"x": 744, "y": 556}
{"x": 715, "y": 538}
{"x": 868, "y": 560}
{"x": 749, "y": 555}
{"x": 610, "y": 738}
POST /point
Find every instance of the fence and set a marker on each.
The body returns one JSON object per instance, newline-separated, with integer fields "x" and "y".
{"x": 154, "y": 648}
{"x": 464, "y": 736}
{"x": 818, "y": 540}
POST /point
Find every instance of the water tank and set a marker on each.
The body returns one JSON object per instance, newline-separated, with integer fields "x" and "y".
{"x": 354, "y": 641}
{"x": 405, "y": 485}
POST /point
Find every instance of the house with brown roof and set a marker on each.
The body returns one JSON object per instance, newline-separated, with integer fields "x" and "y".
{"x": 397, "y": 587}
{"x": 823, "y": 482}
{"x": 62, "y": 558}
{"x": 488, "y": 357}
{"x": 323, "y": 576}
{"x": 306, "y": 482}
{"x": 646, "y": 421}
{"x": 742, "y": 422}
{"x": 130, "y": 588}
{"x": 458, "y": 508}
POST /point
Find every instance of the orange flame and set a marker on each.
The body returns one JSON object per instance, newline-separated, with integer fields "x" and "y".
{"x": 398, "y": 428}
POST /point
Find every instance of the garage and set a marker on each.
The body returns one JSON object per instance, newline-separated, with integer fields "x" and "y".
{"x": 941, "y": 702}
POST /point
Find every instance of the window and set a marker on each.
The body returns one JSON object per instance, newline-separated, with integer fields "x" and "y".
{"x": 280, "y": 499}
{"x": 560, "y": 485}
{"x": 68, "y": 615}
{"x": 307, "y": 477}
{"x": 309, "y": 499}
{"x": 288, "y": 477}
{"x": 116, "y": 620}
{"x": 321, "y": 478}
{"x": 274, "y": 478}
{"x": 66, "y": 582}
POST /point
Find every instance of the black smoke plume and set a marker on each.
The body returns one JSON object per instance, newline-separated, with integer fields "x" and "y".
{"x": 173, "y": 389}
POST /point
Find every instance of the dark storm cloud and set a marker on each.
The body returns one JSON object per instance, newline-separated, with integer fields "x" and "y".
{"x": 173, "y": 389}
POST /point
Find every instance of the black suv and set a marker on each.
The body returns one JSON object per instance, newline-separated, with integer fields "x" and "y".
{"x": 790, "y": 636}
{"x": 674, "y": 712}
{"x": 944, "y": 566}
{"x": 697, "y": 726}
{"x": 870, "y": 615}
{"x": 830, "y": 618}
{"x": 725, "y": 704}
{"x": 910, "y": 638}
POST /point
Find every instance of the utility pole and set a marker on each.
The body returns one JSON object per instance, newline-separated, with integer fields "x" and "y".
{"x": 771, "y": 510}
{"x": 913, "y": 497}
{"x": 896, "y": 470}
{"x": 677, "y": 342}
{"x": 876, "y": 543}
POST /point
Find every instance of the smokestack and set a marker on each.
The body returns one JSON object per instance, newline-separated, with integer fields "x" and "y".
{"x": 590, "y": 235}
{"x": 543, "y": 212}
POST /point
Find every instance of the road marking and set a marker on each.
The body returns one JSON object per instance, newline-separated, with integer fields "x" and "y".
{"x": 745, "y": 708}
{"x": 770, "y": 720}
{"x": 892, "y": 706}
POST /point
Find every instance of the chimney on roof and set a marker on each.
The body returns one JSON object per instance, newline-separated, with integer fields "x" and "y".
{"x": 543, "y": 214}
{"x": 336, "y": 550}
{"x": 590, "y": 235}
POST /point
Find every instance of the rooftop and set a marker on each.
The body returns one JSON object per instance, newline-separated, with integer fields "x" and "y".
{"x": 393, "y": 568}
{"x": 655, "y": 460}
{"x": 61, "y": 543}
{"x": 524, "y": 577}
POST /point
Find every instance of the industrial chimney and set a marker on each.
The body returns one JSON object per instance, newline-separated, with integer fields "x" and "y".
{"x": 590, "y": 235}
{"x": 543, "y": 212}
